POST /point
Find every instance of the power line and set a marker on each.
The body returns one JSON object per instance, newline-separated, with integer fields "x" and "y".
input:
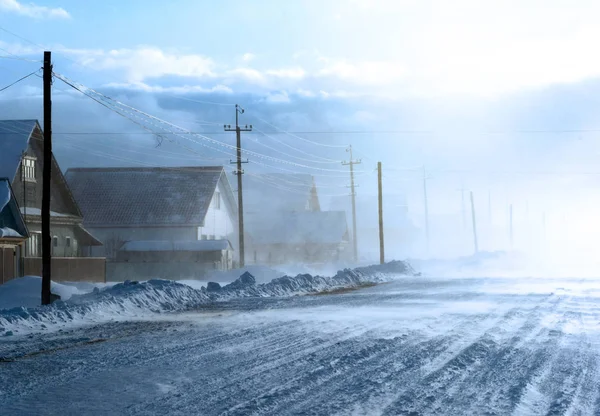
{"x": 19, "y": 80}
{"x": 89, "y": 91}
{"x": 301, "y": 138}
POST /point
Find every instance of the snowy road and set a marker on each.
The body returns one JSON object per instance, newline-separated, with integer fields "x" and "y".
{"x": 416, "y": 346}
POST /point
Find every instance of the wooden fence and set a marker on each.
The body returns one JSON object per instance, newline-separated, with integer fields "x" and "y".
{"x": 70, "y": 269}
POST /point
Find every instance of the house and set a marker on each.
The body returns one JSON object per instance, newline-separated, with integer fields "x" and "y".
{"x": 284, "y": 222}
{"x": 284, "y": 193}
{"x": 162, "y": 222}
{"x": 400, "y": 229}
{"x": 21, "y": 161}
{"x": 13, "y": 233}
{"x": 308, "y": 237}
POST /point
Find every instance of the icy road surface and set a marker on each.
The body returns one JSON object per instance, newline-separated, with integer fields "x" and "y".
{"x": 416, "y": 346}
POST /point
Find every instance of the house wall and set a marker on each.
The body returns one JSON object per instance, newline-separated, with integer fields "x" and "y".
{"x": 218, "y": 223}
{"x": 59, "y": 231}
{"x": 113, "y": 238}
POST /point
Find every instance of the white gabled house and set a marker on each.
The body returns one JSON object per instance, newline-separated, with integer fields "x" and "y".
{"x": 167, "y": 222}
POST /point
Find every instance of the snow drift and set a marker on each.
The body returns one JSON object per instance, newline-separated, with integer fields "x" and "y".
{"x": 138, "y": 299}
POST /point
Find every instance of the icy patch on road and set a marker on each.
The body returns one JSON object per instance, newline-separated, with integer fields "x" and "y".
{"x": 142, "y": 299}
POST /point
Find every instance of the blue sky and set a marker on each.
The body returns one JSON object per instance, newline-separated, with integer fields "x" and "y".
{"x": 467, "y": 85}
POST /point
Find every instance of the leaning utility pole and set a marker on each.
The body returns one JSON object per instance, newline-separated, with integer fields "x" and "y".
{"x": 46, "y": 181}
{"x": 239, "y": 172}
{"x": 380, "y": 192}
{"x": 474, "y": 224}
{"x": 426, "y": 208}
{"x": 351, "y": 163}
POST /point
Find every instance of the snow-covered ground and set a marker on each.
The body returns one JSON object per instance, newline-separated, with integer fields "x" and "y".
{"x": 19, "y": 313}
{"x": 425, "y": 345}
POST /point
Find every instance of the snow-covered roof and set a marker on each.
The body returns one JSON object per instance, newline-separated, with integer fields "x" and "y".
{"x": 196, "y": 245}
{"x": 144, "y": 196}
{"x": 313, "y": 227}
{"x": 37, "y": 211}
{"x": 14, "y": 136}
{"x": 11, "y": 222}
{"x": 272, "y": 192}
{"x": 9, "y": 232}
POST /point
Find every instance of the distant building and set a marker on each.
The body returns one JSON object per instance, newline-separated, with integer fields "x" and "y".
{"x": 284, "y": 223}
{"x": 21, "y": 161}
{"x": 400, "y": 232}
{"x": 13, "y": 233}
{"x": 308, "y": 237}
{"x": 280, "y": 193}
{"x": 175, "y": 222}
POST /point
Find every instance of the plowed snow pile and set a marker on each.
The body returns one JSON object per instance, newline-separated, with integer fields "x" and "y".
{"x": 137, "y": 299}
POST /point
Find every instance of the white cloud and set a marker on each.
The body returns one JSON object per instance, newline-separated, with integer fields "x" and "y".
{"x": 364, "y": 73}
{"x": 292, "y": 73}
{"x": 247, "y": 57}
{"x": 184, "y": 89}
{"x": 278, "y": 97}
{"x": 146, "y": 62}
{"x": 33, "y": 10}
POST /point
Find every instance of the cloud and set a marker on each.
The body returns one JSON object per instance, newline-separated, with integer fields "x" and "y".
{"x": 247, "y": 57}
{"x": 363, "y": 73}
{"x": 279, "y": 97}
{"x": 146, "y": 62}
{"x": 33, "y": 10}
{"x": 292, "y": 73}
{"x": 184, "y": 89}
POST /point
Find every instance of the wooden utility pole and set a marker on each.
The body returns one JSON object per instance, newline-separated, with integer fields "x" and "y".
{"x": 46, "y": 181}
{"x": 510, "y": 232}
{"x": 351, "y": 163}
{"x": 490, "y": 207}
{"x": 239, "y": 172}
{"x": 379, "y": 187}
{"x": 426, "y": 209}
{"x": 474, "y": 224}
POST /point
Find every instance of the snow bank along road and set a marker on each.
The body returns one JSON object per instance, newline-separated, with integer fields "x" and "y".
{"x": 418, "y": 345}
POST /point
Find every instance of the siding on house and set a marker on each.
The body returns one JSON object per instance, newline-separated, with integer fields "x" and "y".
{"x": 217, "y": 222}
{"x": 114, "y": 237}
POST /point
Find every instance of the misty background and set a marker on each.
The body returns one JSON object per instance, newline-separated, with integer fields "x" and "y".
{"x": 500, "y": 99}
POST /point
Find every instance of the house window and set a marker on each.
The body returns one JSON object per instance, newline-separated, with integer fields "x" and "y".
{"x": 55, "y": 241}
{"x": 68, "y": 242}
{"x": 204, "y": 237}
{"x": 34, "y": 245}
{"x": 28, "y": 169}
{"x": 217, "y": 200}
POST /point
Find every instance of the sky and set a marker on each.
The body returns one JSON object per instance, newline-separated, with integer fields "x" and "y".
{"x": 495, "y": 97}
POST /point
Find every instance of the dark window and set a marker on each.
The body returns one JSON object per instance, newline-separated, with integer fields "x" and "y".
{"x": 68, "y": 241}
{"x": 55, "y": 241}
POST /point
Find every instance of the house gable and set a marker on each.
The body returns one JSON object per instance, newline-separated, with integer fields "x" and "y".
{"x": 29, "y": 191}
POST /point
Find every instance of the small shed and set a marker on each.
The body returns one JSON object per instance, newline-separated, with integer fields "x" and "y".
{"x": 13, "y": 233}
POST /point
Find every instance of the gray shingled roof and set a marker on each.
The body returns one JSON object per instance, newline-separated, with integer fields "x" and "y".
{"x": 14, "y": 136}
{"x": 272, "y": 192}
{"x": 312, "y": 227}
{"x": 114, "y": 197}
